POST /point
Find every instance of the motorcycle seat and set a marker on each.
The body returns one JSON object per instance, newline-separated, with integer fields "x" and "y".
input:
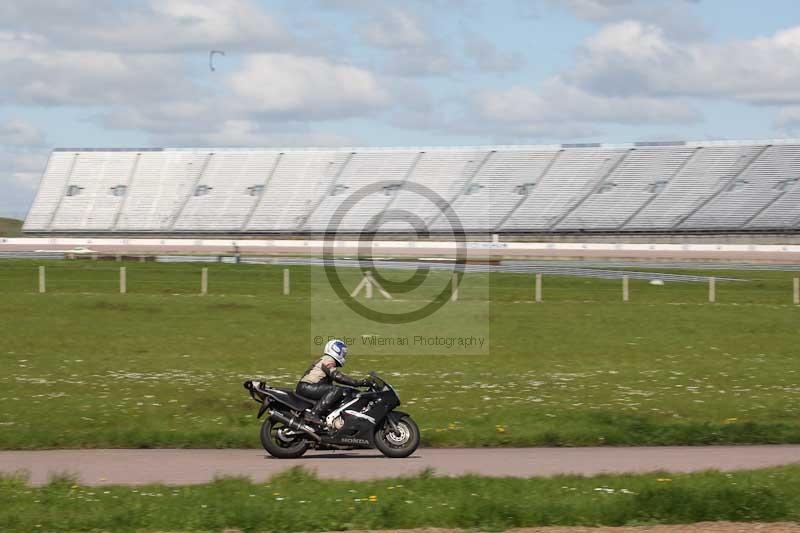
{"x": 294, "y": 400}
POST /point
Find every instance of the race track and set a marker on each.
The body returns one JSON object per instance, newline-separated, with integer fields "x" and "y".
{"x": 478, "y": 251}
{"x": 184, "y": 467}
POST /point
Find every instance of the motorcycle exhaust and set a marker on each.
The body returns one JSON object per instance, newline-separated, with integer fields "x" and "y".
{"x": 292, "y": 423}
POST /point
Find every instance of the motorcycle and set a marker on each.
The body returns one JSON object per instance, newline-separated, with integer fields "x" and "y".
{"x": 362, "y": 420}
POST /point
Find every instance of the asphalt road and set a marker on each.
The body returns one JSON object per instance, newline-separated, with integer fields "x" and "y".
{"x": 183, "y": 467}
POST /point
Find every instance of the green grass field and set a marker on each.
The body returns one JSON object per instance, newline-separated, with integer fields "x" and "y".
{"x": 85, "y": 366}
{"x": 10, "y": 227}
{"x": 295, "y": 501}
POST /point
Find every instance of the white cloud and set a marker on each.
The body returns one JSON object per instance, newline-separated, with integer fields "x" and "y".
{"x": 487, "y": 57}
{"x": 160, "y": 118}
{"x": 283, "y": 85}
{"x": 22, "y": 160}
{"x": 789, "y": 119}
{"x": 46, "y": 75}
{"x": 395, "y": 28}
{"x": 141, "y": 66}
{"x": 557, "y": 109}
{"x": 421, "y": 63}
{"x": 154, "y": 25}
{"x": 157, "y": 92}
{"x": 674, "y": 16}
{"x": 556, "y": 101}
{"x": 610, "y": 10}
{"x": 132, "y": 66}
{"x": 25, "y": 166}
{"x": 16, "y": 197}
{"x": 276, "y": 92}
{"x": 253, "y": 133}
{"x": 633, "y": 73}
{"x": 631, "y": 58}
{"x": 411, "y": 46}
{"x": 17, "y": 132}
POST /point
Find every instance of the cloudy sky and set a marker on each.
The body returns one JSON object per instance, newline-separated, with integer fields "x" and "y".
{"x": 401, "y": 72}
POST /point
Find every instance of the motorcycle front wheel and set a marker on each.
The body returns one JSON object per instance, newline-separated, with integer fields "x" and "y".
{"x": 277, "y": 444}
{"x": 398, "y": 443}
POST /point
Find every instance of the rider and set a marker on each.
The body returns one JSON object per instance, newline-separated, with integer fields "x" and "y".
{"x": 318, "y": 381}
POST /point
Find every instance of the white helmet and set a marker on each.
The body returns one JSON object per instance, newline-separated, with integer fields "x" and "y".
{"x": 336, "y": 349}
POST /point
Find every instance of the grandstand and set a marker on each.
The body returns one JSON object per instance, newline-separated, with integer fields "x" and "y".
{"x": 648, "y": 187}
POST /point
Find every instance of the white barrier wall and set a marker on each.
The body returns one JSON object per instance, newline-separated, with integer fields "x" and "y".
{"x": 68, "y": 243}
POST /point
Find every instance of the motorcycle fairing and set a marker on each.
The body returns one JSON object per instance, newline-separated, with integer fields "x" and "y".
{"x": 361, "y": 415}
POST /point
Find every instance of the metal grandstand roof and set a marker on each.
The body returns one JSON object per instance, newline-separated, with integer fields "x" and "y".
{"x": 629, "y": 145}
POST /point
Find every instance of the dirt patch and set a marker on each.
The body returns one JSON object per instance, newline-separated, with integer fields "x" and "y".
{"x": 230, "y": 305}
{"x": 704, "y": 527}
{"x": 119, "y": 306}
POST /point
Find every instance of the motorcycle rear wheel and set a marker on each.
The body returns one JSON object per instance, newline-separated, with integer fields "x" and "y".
{"x": 400, "y": 443}
{"x": 278, "y": 447}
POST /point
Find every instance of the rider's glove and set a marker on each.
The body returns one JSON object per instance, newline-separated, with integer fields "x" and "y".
{"x": 365, "y": 382}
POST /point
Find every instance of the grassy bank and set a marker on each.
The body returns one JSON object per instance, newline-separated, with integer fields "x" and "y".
{"x": 296, "y": 501}
{"x": 87, "y": 367}
{"x": 10, "y": 227}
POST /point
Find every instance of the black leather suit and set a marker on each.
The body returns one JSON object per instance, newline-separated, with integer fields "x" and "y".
{"x": 318, "y": 384}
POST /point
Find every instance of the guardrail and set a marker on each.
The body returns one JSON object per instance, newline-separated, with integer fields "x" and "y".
{"x": 244, "y": 245}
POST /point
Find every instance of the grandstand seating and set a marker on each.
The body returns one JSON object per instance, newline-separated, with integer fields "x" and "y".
{"x": 162, "y": 182}
{"x": 627, "y": 189}
{"x": 573, "y": 176}
{"x": 643, "y": 187}
{"x": 383, "y": 170}
{"x": 228, "y": 191}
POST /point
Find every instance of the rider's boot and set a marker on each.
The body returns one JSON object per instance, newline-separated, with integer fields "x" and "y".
{"x": 323, "y": 405}
{"x": 314, "y": 417}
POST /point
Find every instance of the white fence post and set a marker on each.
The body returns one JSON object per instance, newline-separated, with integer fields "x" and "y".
{"x": 286, "y": 285}
{"x": 538, "y": 292}
{"x": 454, "y": 288}
{"x": 712, "y": 290}
{"x": 204, "y": 281}
{"x": 368, "y": 287}
{"x": 625, "y": 292}
{"x": 42, "y": 280}
{"x": 123, "y": 280}
{"x": 796, "y": 291}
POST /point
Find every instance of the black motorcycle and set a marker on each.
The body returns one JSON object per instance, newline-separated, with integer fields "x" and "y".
{"x": 363, "y": 419}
